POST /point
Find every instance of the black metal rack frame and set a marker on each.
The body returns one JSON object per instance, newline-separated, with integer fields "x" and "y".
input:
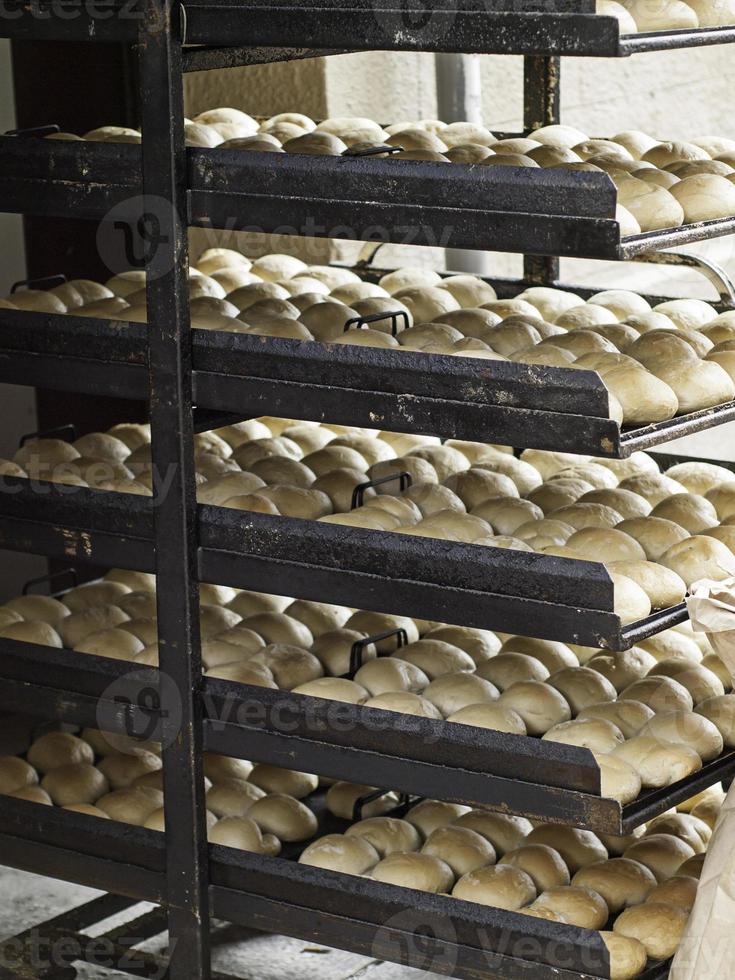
{"x": 184, "y": 543}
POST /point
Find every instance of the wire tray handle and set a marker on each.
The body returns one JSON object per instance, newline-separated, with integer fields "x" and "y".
{"x": 358, "y": 647}
{"x": 358, "y": 494}
{"x": 393, "y": 315}
{"x": 50, "y": 579}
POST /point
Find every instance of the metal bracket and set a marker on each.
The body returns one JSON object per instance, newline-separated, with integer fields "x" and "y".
{"x": 393, "y": 315}
{"x": 51, "y": 578}
{"x": 38, "y": 131}
{"x": 43, "y": 282}
{"x": 404, "y": 799}
{"x": 358, "y": 494}
{"x": 358, "y": 647}
{"x": 712, "y": 271}
{"x": 59, "y": 430}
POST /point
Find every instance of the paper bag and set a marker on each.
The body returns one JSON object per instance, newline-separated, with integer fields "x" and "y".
{"x": 707, "y": 949}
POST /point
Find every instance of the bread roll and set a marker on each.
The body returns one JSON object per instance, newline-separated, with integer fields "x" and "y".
{"x": 618, "y": 780}
{"x": 671, "y": 644}
{"x": 627, "y": 715}
{"x": 243, "y": 834}
{"x": 342, "y": 797}
{"x": 651, "y": 206}
{"x": 540, "y": 705}
{"x": 628, "y": 956}
{"x": 232, "y": 797}
{"x": 32, "y": 632}
{"x": 698, "y": 557}
{"x": 594, "y": 733}
{"x": 720, "y": 710}
{"x": 389, "y": 674}
{"x": 464, "y": 850}
{"x": 578, "y": 848}
{"x": 698, "y": 680}
{"x": 492, "y": 716}
{"x": 337, "y": 852}
{"x": 122, "y": 770}
{"x": 132, "y": 805}
{"x": 658, "y": 762}
{"x": 663, "y": 586}
{"x": 56, "y": 749}
{"x": 622, "y": 882}
{"x": 679, "y": 891}
{"x": 615, "y": 545}
{"x": 504, "y": 831}
{"x": 542, "y": 864}
{"x": 644, "y": 397}
{"x": 576, "y": 905}
{"x": 422, "y": 872}
{"x": 387, "y": 835}
{"x": 435, "y": 657}
{"x": 687, "y": 728}
{"x": 478, "y": 643}
{"x": 687, "y": 827}
{"x": 501, "y": 886}
{"x": 582, "y": 686}
{"x": 452, "y": 692}
{"x": 508, "y": 668}
{"x": 284, "y": 817}
{"x": 658, "y": 927}
{"x": 654, "y": 534}
{"x": 273, "y": 779}
{"x": 624, "y": 667}
{"x": 705, "y": 197}
{"x": 659, "y": 693}
{"x": 37, "y": 607}
{"x": 75, "y": 783}
{"x": 15, "y": 774}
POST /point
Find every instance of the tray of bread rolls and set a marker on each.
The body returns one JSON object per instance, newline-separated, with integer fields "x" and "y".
{"x": 441, "y": 874}
{"x": 606, "y": 372}
{"x": 555, "y": 732}
{"x": 392, "y": 541}
{"x": 606, "y": 198}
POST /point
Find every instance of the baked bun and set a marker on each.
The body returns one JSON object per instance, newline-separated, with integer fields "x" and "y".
{"x": 543, "y": 864}
{"x": 504, "y": 831}
{"x": 387, "y": 835}
{"x": 680, "y": 891}
{"x": 578, "y": 848}
{"x": 628, "y": 956}
{"x": 496, "y": 717}
{"x": 244, "y": 834}
{"x": 501, "y": 886}
{"x": 57, "y": 749}
{"x": 659, "y": 693}
{"x": 273, "y": 779}
{"x": 576, "y": 905}
{"x": 452, "y": 692}
{"x": 687, "y": 728}
{"x": 423, "y": 872}
{"x": 338, "y": 852}
{"x": 657, "y": 762}
{"x": 582, "y": 686}
{"x": 658, "y": 927}
{"x": 620, "y": 881}
{"x": 391, "y": 674}
{"x": 464, "y": 850}
{"x": 540, "y": 705}
{"x": 663, "y": 854}
{"x": 286, "y": 818}
{"x": 429, "y": 815}
{"x": 15, "y": 774}
{"x": 76, "y": 783}
{"x": 628, "y": 716}
{"x": 618, "y": 779}
{"x": 232, "y": 797}
{"x": 721, "y": 712}
{"x": 623, "y": 667}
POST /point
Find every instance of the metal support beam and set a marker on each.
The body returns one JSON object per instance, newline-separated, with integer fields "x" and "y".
{"x": 541, "y": 107}
{"x": 165, "y": 218}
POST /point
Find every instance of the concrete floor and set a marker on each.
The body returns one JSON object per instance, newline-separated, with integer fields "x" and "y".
{"x": 29, "y": 899}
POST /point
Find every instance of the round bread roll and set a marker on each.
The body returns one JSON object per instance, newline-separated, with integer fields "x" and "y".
{"x": 540, "y": 705}
{"x": 117, "y": 644}
{"x": 659, "y": 693}
{"x": 342, "y": 797}
{"x": 658, "y": 927}
{"x": 452, "y": 692}
{"x": 662, "y": 853}
{"x": 593, "y": 542}
{"x": 699, "y": 477}
{"x": 658, "y": 762}
{"x": 405, "y": 703}
{"x": 493, "y": 716}
{"x": 685, "y": 826}
{"x": 654, "y": 534}
{"x": 720, "y": 711}
{"x": 708, "y": 812}
{"x": 15, "y": 774}
{"x": 132, "y": 805}
{"x": 618, "y": 780}
{"x": 333, "y": 689}
{"x": 464, "y": 850}
{"x": 628, "y": 716}
{"x": 504, "y": 831}
{"x": 435, "y": 657}
{"x": 508, "y": 668}
{"x": 243, "y": 834}
{"x": 37, "y": 607}
{"x": 502, "y": 886}
{"x": 588, "y": 516}
{"x": 388, "y": 674}
{"x": 628, "y": 957}
{"x": 87, "y": 810}
{"x": 290, "y": 665}
{"x": 76, "y": 783}
{"x": 622, "y": 882}
{"x": 692, "y": 867}
{"x": 672, "y": 644}
{"x": 644, "y": 397}
{"x": 273, "y": 779}
{"x": 94, "y": 594}
{"x": 387, "y": 835}
{"x": 698, "y": 680}
{"x": 651, "y": 206}
{"x": 232, "y": 797}
{"x": 594, "y": 734}
{"x": 663, "y": 586}
{"x": 542, "y": 864}
{"x": 75, "y": 628}
{"x": 631, "y": 602}
{"x": 56, "y": 749}
{"x": 32, "y": 794}
{"x": 350, "y": 855}
{"x": 578, "y": 848}
{"x": 705, "y": 197}
{"x": 430, "y": 815}
{"x": 122, "y": 770}
{"x": 582, "y": 686}
{"x": 680, "y": 891}
{"x": 687, "y": 728}
{"x": 478, "y": 643}
{"x": 279, "y": 628}
{"x": 576, "y": 905}
{"x": 422, "y": 872}
{"x": 284, "y": 817}
{"x": 551, "y": 653}
{"x": 32, "y": 632}
{"x": 624, "y": 667}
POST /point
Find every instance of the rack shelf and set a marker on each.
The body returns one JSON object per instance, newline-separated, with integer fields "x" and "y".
{"x": 542, "y": 211}
{"x": 240, "y": 375}
{"x": 542, "y": 780}
{"x": 232, "y": 31}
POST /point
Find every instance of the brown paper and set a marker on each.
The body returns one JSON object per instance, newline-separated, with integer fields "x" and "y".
{"x": 707, "y": 949}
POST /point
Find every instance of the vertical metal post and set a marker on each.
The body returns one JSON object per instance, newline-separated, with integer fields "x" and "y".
{"x": 165, "y": 221}
{"x": 541, "y": 107}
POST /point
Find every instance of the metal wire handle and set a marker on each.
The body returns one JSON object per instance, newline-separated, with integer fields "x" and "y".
{"x": 358, "y": 494}
{"x": 372, "y": 151}
{"x": 712, "y": 271}
{"x": 69, "y": 428}
{"x": 358, "y": 647}
{"x": 393, "y": 315}
{"x": 51, "y": 578}
{"x": 361, "y": 802}
{"x": 38, "y": 131}
{"x": 42, "y": 282}
{"x": 367, "y": 254}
